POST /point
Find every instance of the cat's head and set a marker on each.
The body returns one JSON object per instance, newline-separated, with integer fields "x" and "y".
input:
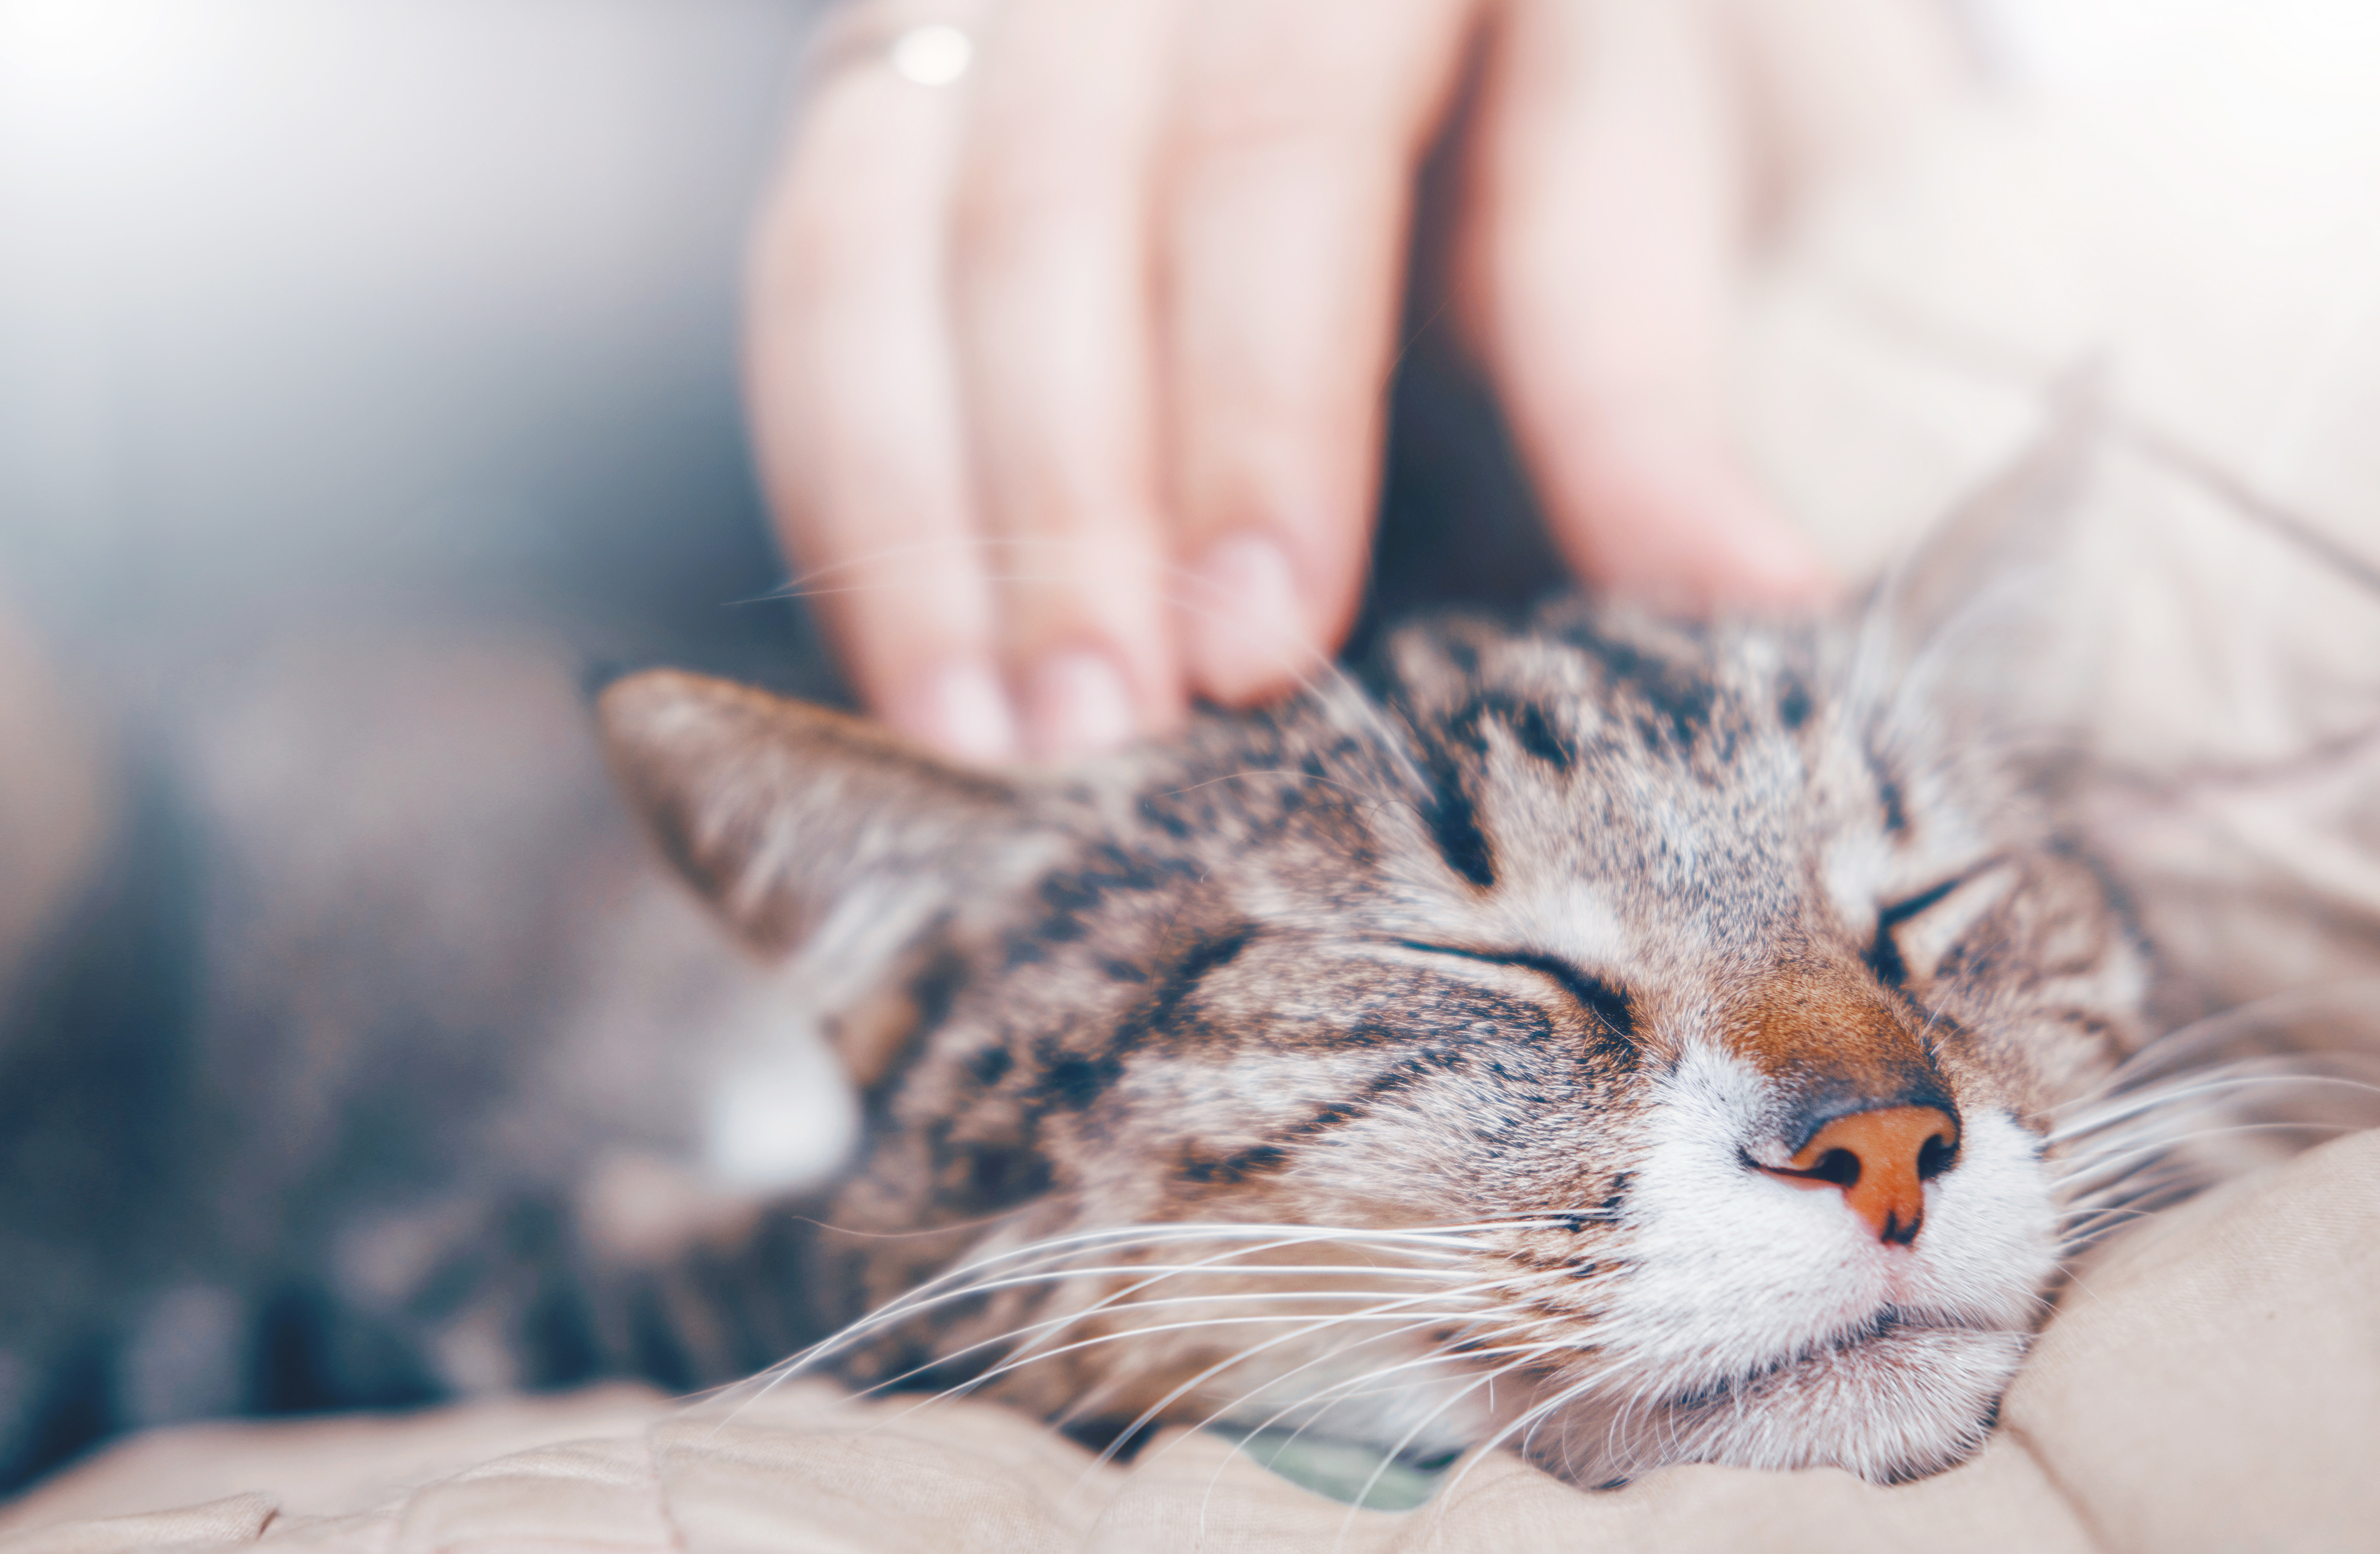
{"x": 1634, "y": 1040}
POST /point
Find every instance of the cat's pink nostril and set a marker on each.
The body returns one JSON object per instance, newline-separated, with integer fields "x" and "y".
{"x": 1880, "y": 1161}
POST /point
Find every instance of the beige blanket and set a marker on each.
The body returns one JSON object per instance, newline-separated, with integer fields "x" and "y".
{"x": 2212, "y": 1383}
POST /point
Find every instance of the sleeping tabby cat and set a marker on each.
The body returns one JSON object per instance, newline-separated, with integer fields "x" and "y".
{"x": 1625, "y": 1041}
{"x": 1635, "y": 1042}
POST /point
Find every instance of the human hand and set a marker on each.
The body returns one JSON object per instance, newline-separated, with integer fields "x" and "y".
{"x": 1067, "y": 375}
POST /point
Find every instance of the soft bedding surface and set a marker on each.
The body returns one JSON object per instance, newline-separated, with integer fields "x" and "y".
{"x": 2212, "y": 1383}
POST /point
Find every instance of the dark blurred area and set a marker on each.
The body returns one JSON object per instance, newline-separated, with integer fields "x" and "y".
{"x": 368, "y": 376}
{"x": 366, "y": 370}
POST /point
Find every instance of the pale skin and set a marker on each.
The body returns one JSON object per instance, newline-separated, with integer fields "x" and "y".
{"x": 1066, "y": 377}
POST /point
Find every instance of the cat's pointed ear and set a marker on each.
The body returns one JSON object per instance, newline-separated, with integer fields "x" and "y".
{"x": 1996, "y": 551}
{"x": 1979, "y": 613}
{"x": 785, "y": 815}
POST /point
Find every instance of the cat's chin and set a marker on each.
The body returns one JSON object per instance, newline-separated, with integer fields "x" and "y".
{"x": 1894, "y": 1405}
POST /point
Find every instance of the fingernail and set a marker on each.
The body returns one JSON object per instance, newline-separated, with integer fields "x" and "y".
{"x": 961, "y": 710}
{"x": 1785, "y": 567}
{"x": 1076, "y": 703}
{"x": 1246, "y": 633}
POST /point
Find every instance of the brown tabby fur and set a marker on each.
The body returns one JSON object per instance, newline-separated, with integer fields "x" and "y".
{"x": 1413, "y": 1033}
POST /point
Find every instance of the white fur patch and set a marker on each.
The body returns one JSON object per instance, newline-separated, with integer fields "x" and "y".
{"x": 1748, "y": 1296}
{"x": 779, "y": 1113}
{"x": 1855, "y": 870}
{"x": 1571, "y": 920}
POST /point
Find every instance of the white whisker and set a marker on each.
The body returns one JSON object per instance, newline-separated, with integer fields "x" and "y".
{"x": 1154, "y": 1410}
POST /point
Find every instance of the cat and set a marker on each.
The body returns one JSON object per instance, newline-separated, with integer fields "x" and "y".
{"x": 1632, "y": 1041}
{"x": 1625, "y": 1041}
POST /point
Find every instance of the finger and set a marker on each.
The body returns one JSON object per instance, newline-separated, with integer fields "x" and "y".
{"x": 1287, "y": 193}
{"x": 1050, "y": 289}
{"x": 854, "y": 404}
{"x": 1602, "y": 245}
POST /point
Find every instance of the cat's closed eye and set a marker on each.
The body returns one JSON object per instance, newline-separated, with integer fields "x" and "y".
{"x": 1607, "y": 1003}
{"x": 1913, "y": 933}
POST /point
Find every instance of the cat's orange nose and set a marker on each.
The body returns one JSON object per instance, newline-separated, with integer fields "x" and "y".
{"x": 1882, "y": 1160}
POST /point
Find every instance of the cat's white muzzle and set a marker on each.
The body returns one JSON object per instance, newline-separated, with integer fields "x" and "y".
{"x": 1762, "y": 1325}
{"x": 1896, "y": 1403}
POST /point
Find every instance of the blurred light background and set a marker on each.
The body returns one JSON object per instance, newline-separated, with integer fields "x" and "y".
{"x": 304, "y": 296}
{"x": 301, "y": 297}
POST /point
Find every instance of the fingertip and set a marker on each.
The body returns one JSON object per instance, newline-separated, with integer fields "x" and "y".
{"x": 1774, "y": 565}
{"x": 1654, "y": 512}
{"x": 1077, "y": 703}
{"x": 959, "y": 710}
{"x": 1246, "y": 632}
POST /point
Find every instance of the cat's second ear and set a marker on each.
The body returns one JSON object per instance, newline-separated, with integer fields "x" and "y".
{"x": 782, "y": 814}
{"x": 1998, "y": 551}
{"x": 1982, "y": 615}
